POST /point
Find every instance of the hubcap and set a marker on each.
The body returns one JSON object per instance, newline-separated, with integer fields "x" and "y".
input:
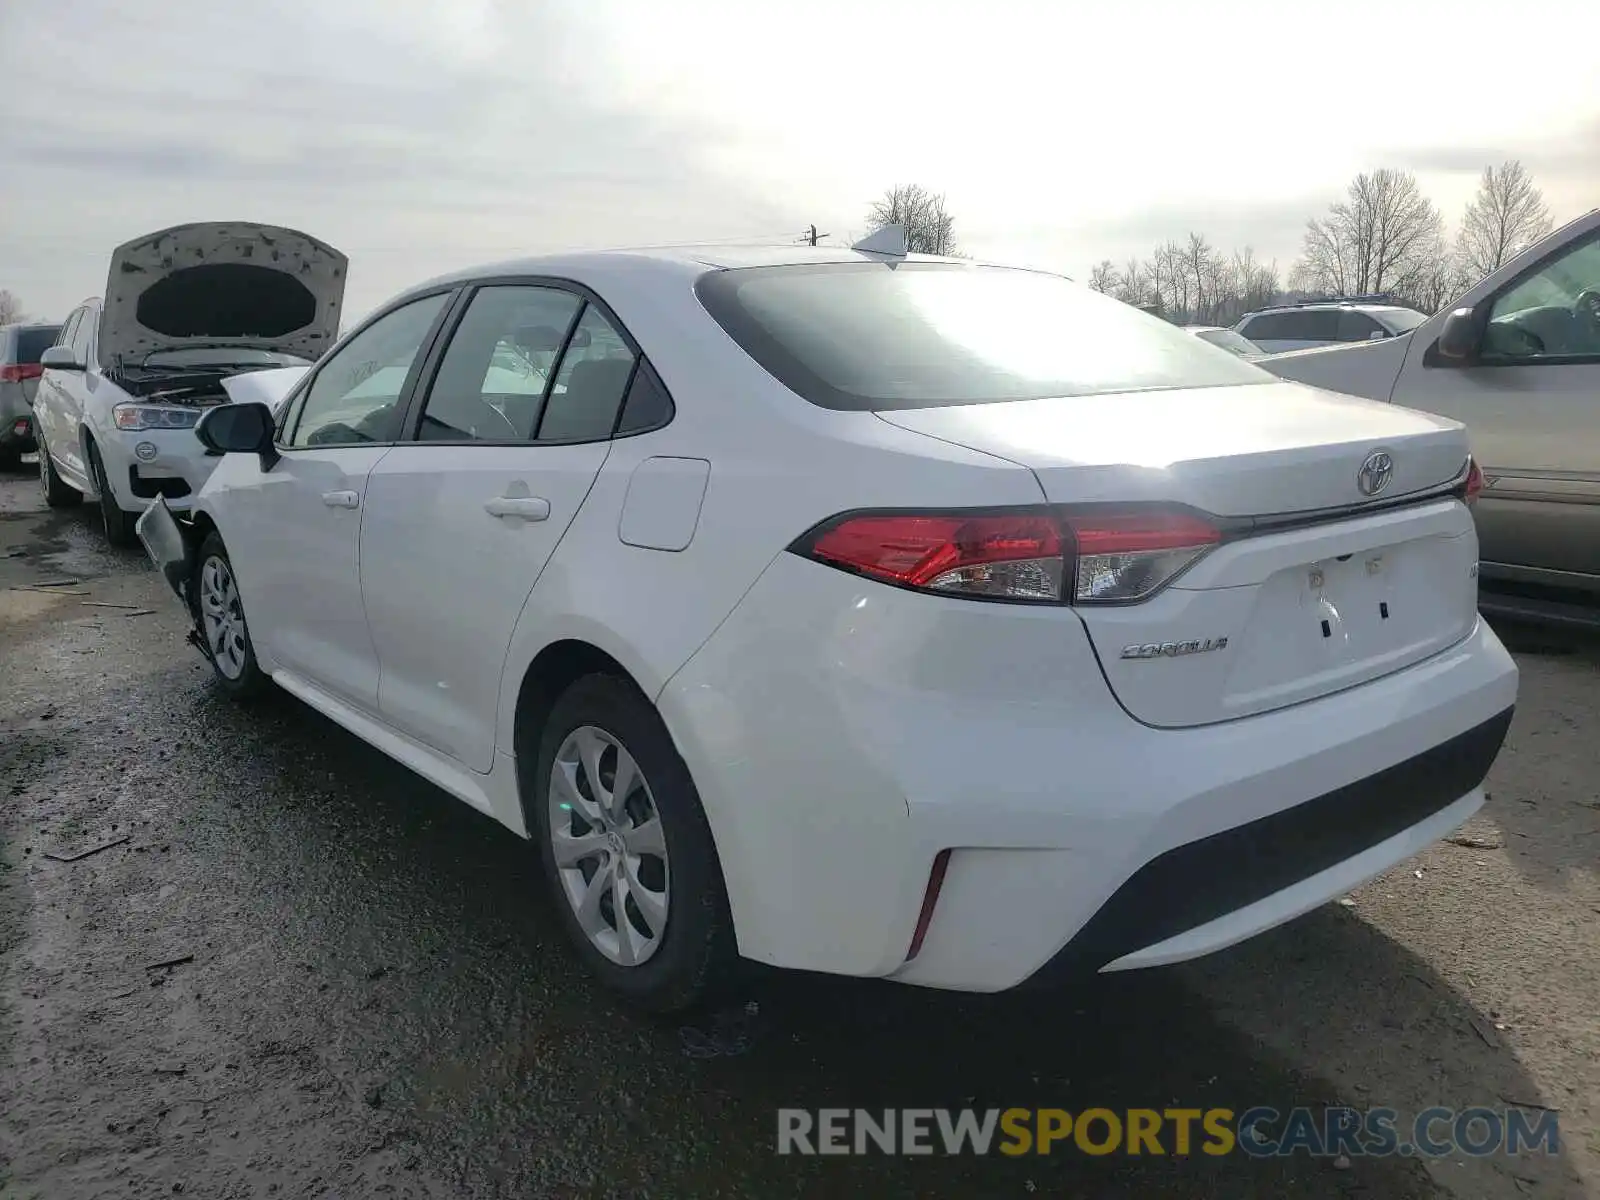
{"x": 222, "y": 617}
{"x": 609, "y": 848}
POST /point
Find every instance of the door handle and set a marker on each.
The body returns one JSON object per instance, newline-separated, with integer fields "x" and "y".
{"x": 340, "y": 499}
{"x": 526, "y": 508}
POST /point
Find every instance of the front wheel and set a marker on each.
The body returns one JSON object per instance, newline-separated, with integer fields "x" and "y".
{"x": 219, "y": 613}
{"x": 627, "y": 850}
{"x": 57, "y": 494}
{"x": 119, "y": 523}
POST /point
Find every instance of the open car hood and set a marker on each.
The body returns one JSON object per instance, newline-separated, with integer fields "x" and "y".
{"x": 222, "y": 283}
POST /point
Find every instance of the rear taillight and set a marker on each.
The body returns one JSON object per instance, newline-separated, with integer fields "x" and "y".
{"x": 1042, "y": 556}
{"x": 17, "y": 372}
{"x": 1132, "y": 555}
{"x": 1473, "y": 488}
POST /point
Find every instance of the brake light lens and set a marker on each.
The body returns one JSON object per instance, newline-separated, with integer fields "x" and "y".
{"x": 1041, "y": 556}
{"x": 17, "y": 372}
{"x": 1473, "y": 488}
{"x": 1014, "y": 556}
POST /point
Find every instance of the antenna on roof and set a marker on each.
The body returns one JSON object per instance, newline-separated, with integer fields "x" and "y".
{"x": 891, "y": 239}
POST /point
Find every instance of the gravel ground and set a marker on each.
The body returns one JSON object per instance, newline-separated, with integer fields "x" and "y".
{"x": 369, "y": 996}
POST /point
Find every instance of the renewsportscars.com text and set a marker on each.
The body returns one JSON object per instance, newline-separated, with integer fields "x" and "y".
{"x": 1258, "y": 1132}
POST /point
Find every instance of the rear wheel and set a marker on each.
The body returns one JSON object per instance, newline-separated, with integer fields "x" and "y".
{"x": 56, "y": 492}
{"x": 627, "y": 851}
{"x": 119, "y": 523}
{"x": 219, "y": 613}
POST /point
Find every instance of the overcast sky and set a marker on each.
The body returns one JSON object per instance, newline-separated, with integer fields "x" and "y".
{"x": 421, "y": 135}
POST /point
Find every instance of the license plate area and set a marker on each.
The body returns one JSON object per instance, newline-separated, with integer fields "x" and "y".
{"x": 1339, "y": 621}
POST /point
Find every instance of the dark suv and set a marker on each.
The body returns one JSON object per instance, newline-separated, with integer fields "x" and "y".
{"x": 20, "y": 348}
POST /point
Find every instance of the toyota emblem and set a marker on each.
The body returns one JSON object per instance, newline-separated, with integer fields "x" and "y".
{"x": 1375, "y": 473}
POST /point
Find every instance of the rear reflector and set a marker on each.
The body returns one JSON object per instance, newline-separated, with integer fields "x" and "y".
{"x": 1043, "y": 555}
{"x": 17, "y": 372}
{"x": 930, "y": 900}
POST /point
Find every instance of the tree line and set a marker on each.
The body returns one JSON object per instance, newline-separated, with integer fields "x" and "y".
{"x": 1383, "y": 237}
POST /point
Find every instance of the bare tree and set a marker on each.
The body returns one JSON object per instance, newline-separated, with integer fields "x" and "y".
{"x": 10, "y": 307}
{"x": 1506, "y": 217}
{"x": 1180, "y": 283}
{"x": 1221, "y": 286}
{"x": 1256, "y": 285}
{"x": 1132, "y": 282}
{"x": 930, "y": 229}
{"x": 1381, "y": 235}
{"x": 1196, "y": 266}
{"x": 1438, "y": 282}
{"x": 1103, "y": 276}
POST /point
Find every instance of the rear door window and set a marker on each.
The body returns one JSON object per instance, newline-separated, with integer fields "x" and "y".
{"x": 69, "y": 328}
{"x": 83, "y": 335}
{"x": 31, "y": 343}
{"x": 1358, "y": 327}
{"x": 590, "y": 383}
{"x": 492, "y": 380}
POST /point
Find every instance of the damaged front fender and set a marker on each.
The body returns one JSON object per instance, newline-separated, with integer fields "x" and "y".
{"x": 169, "y": 549}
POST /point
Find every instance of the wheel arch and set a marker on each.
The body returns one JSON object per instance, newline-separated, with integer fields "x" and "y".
{"x": 557, "y": 666}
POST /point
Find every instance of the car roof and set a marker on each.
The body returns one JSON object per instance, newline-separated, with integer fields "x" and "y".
{"x": 1323, "y": 305}
{"x": 685, "y": 260}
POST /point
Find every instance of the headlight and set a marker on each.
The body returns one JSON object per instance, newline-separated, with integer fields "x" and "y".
{"x": 153, "y": 416}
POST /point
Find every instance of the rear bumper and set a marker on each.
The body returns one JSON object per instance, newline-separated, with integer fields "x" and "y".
{"x": 1239, "y": 881}
{"x": 16, "y": 419}
{"x": 843, "y": 734}
{"x": 16, "y": 434}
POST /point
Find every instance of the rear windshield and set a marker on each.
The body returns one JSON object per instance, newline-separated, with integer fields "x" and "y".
{"x": 876, "y": 336}
{"x": 34, "y": 341}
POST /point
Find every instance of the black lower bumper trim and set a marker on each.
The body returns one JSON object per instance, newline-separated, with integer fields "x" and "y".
{"x": 1203, "y": 880}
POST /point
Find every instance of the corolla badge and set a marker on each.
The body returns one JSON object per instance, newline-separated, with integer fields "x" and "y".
{"x": 1175, "y": 649}
{"x": 1376, "y": 471}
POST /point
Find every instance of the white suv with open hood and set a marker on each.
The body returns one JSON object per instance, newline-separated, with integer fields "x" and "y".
{"x": 193, "y": 316}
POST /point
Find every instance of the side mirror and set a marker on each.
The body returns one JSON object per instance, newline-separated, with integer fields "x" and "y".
{"x": 239, "y": 429}
{"x": 1458, "y": 338}
{"x": 60, "y": 358}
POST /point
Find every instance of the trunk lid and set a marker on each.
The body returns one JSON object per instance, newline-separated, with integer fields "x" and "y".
{"x": 1317, "y": 585}
{"x": 232, "y": 284}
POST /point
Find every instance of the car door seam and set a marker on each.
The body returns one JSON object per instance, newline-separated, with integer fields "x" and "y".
{"x": 361, "y": 583}
{"x": 511, "y": 634}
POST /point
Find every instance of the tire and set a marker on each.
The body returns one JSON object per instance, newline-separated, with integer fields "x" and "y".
{"x": 119, "y": 523}
{"x": 57, "y": 494}
{"x": 233, "y": 660}
{"x": 693, "y": 956}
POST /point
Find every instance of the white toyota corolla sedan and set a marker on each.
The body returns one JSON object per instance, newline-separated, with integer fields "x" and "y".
{"x": 860, "y": 612}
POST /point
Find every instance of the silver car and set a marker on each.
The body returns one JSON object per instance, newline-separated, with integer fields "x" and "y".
{"x": 20, "y": 348}
{"x": 1517, "y": 360}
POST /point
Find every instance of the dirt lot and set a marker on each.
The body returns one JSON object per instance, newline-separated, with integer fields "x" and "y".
{"x": 368, "y": 996}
